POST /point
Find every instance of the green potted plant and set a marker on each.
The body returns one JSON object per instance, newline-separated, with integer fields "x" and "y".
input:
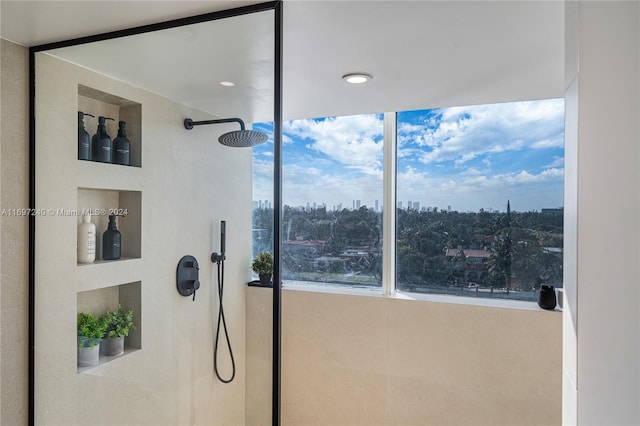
{"x": 263, "y": 266}
{"x": 90, "y": 332}
{"x": 118, "y": 325}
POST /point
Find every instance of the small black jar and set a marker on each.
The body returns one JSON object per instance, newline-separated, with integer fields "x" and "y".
{"x": 547, "y": 297}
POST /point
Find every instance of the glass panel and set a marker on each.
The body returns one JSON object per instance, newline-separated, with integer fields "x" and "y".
{"x": 174, "y": 194}
{"x": 262, "y": 193}
{"x": 480, "y": 196}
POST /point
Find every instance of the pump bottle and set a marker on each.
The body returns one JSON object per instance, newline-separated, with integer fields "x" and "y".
{"x": 122, "y": 146}
{"x": 101, "y": 142}
{"x": 84, "y": 145}
{"x": 86, "y": 240}
{"x": 111, "y": 240}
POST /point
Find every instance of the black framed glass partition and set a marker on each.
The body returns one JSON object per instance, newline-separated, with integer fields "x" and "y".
{"x": 179, "y": 193}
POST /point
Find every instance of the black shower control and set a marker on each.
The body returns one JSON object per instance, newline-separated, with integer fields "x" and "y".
{"x": 187, "y": 280}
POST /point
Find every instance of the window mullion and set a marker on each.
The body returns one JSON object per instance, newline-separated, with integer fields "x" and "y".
{"x": 389, "y": 206}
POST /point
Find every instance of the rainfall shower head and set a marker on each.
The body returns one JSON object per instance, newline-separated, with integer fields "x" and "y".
{"x": 238, "y": 138}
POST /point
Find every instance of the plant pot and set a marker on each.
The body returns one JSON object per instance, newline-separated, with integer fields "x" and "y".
{"x": 265, "y": 279}
{"x": 112, "y": 346}
{"x": 89, "y": 356}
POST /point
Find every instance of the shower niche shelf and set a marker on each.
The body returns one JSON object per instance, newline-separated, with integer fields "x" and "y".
{"x": 92, "y": 174}
{"x": 99, "y": 301}
{"x": 96, "y": 102}
{"x": 103, "y": 202}
{"x": 103, "y": 274}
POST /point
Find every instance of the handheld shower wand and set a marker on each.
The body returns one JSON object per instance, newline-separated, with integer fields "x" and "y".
{"x": 215, "y": 257}
{"x": 219, "y": 260}
{"x": 223, "y": 233}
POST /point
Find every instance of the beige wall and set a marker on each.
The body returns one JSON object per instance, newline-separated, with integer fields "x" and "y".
{"x": 259, "y": 355}
{"x": 14, "y": 178}
{"x": 188, "y": 184}
{"x": 370, "y": 360}
{"x": 170, "y": 381}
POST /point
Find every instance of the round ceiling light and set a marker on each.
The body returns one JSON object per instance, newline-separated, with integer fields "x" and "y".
{"x": 357, "y": 78}
{"x": 227, "y": 83}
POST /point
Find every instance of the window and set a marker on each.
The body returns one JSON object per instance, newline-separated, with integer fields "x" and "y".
{"x": 332, "y": 187}
{"x": 479, "y": 196}
{"x": 484, "y": 192}
{"x": 332, "y": 192}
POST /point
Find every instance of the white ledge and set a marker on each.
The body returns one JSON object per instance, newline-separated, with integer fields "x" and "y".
{"x": 425, "y": 297}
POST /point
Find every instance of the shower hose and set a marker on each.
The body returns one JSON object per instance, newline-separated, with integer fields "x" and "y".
{"x": 222, "y": 321}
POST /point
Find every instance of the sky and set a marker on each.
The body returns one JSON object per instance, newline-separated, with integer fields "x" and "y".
{"x": 469, "y": 158}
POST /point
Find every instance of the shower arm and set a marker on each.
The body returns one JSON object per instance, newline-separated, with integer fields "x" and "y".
{"x": 189, "y": 123}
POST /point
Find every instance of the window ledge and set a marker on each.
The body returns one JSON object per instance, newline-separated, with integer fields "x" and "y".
{"x": 436, "y": 298}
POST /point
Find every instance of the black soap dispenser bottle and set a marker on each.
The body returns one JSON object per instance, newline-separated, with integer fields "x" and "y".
{"x": 122, "y": 146}
{"x": 111, "y": 240}
{"x": 84, "y": 142}
{"x": 101, "y": 142}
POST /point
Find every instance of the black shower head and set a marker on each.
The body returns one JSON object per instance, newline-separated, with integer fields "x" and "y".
{"x": 238, "y": 138}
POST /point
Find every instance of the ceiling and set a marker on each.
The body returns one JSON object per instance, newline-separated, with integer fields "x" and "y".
{"x": 422, "y": 54}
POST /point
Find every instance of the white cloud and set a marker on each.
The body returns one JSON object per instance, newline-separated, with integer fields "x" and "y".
{"x": 473, "y": 188}
{"x": 461, "y": 134}
{"x": 557, "y": 162}
{"x": 303, "y": 184}
{"x": 473, "y": 171}
{"x": 353, "y": 141}
{"x": 286, "y": 139}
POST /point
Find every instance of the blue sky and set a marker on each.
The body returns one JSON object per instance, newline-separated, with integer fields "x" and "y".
{"x": 465, "y": 157}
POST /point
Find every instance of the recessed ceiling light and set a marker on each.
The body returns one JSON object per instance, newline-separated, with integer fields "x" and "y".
{"x": 357, "y": 78}
{"x": 227, "y": 83}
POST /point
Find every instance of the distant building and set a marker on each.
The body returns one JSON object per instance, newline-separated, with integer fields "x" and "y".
{"x": 259, "y": 204}
{"x": 558, "y": 210}
{"x": 331, "y": 264}
{"x": 471, "y": 261}
{"x": 552, "y": 250}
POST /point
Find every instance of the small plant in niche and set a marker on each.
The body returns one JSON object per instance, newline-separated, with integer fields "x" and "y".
{"x": 118, "y": 325}
{"x": 263, "y": 266}
{"x": 91, "y": 330}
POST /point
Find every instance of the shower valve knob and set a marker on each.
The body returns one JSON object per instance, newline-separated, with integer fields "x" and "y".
{"x": 187, "y": 280}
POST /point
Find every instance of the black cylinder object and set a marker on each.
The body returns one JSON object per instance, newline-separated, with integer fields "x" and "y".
{"x": 111, "y": 240}
{"x": 84, "y": 146}
{"x": 547, "y": 297}
{"x": 122, "y": 146}
{"x": 101, "y": 142}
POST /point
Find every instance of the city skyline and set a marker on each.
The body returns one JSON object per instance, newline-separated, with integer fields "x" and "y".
{"x": 469, "y": 158}
{"x": 410, "y": 205}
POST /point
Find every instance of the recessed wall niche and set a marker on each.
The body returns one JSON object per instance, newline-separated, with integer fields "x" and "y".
{"x": 102, "y": 203}
{"x": 101, "y": 300}
{"x": 98, "y": 103}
